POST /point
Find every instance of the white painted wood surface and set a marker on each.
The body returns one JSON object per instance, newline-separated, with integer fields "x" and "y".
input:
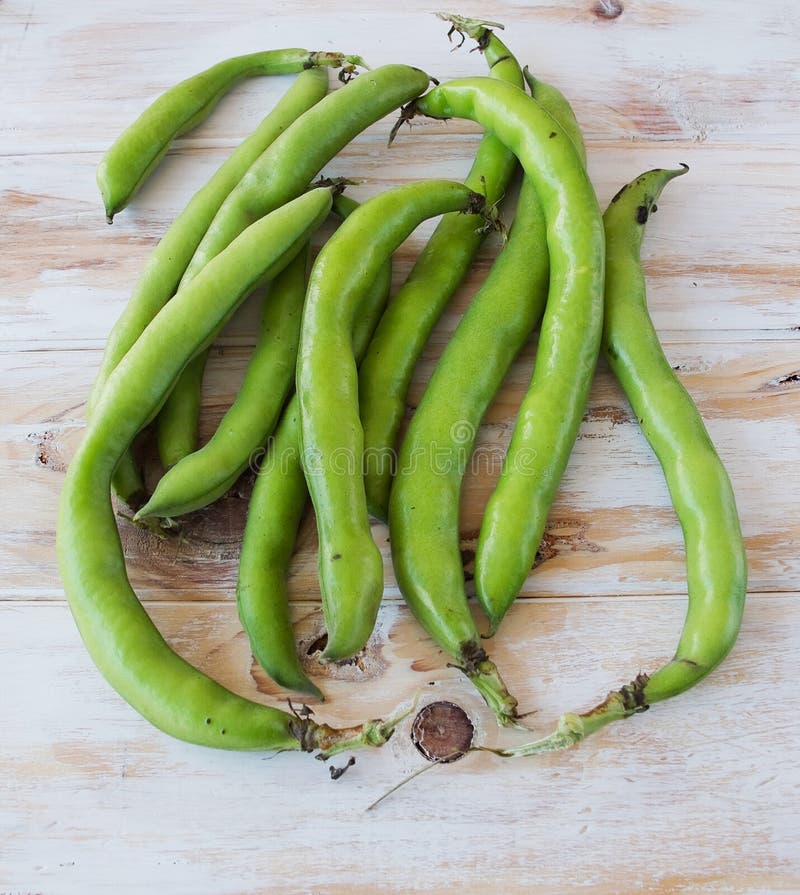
{"x": 697, "y": 795}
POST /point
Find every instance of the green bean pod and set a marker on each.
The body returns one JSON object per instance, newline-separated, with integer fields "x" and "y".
{"x": 699, "y": 486}
{"x": 550, "y": 414}
{"x": 424, "y": 505}
{"x": 556, "y": 104}
{"x": 140, "y": 147}
{"x": 282, "y": 172}
{"x": 119, "y": 634}
{"x": 351, "y": 567}
{"x": 206, "y": 474}
{"x": 424, "y": 501}
{"x": 416, "y": 307}
{"x": 167, "y": 263}
{"x": 277, "y": 504}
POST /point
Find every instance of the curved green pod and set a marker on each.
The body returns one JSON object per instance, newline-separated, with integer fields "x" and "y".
{"x": 277, "y": 504}
{"x": 116, "y": 629}
{"x": 698, "y": 484}
{"x": 134, "y": 155}
{"x": 550, "y": 414}
{"x": 283, "y": 171}
{"x": 351, "y": 567}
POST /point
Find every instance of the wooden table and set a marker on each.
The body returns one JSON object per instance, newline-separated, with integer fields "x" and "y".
{"x": 698, "y": 795}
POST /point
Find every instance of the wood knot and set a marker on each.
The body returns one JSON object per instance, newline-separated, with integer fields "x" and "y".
{"x": 608, "y": 9}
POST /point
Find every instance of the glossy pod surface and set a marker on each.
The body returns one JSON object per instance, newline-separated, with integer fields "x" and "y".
{"x": 698, "y": 483}
{"x": 277, "y": 503}
{"x": 549, "y": 417}
{"x": 351, "y": 567}
{"x": 140, "y": 147}
{"x": 282, "y": 172}
{"x": 119, "y": 635}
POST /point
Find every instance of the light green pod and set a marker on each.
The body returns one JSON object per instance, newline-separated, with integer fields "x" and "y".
{"x": 168, "y": 261}
{"x": 118, "y": 633}
{"x": 277, "y": 504}
{"x": 140, "y": 147}
{"x": 351, "y": 567}
{"x": 699, "y": 486}
{"x": 282, "y": 172}
{"x": 416, "y": 307}
{"x": 199, "y": 478}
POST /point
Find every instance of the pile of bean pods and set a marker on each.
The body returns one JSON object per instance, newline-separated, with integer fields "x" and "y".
{"x": 327, "y": 380}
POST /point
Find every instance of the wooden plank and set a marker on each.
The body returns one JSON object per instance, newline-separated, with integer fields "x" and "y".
{"x": 76, "y": 273}
{"x": 99, "y": 798}
{"x": 643, "y": 74}
{"x": 699, "y": 795}
{"x": 612, "y": 529}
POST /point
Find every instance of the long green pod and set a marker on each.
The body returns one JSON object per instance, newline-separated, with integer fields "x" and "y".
{"x": 351, "y": 567}
{"x": 119, "y": 634}
{"x": 282, "y": 172}
{"x": 569, "y": 343}
{"x": 140, "y": 147}
{"x": 424, "y": 506}
{"x": 424, "y": 501}
{"x": 699, "y": 486}
{"x": 416, "y": 307}
{"x": 168, "y": 261}
{"x": 277, "y": 504}
{"x": 553, "y": 101}
{"x": 206, "y": 474}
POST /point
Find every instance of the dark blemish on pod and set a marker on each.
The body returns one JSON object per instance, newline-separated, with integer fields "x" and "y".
{"x": 336, "y": 556}
{"x": 553, "y": 134}
{"x": 442, "y": 732}
{"x": 642, "y": 214}
{"x": 618, "y": 193}
{"x": 608, "y": 9}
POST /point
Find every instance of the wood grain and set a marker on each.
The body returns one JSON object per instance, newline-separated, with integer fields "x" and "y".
{"x": 656, "y": 804}
{"x": 700, "y": 794}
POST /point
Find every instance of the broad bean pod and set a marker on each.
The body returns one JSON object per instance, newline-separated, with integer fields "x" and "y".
{"x": 283, "y": 171}
{"x": 119, "y": 634}
{"x": 137, "y": 151}
{"x": 416, "y": 307}
{"x": 351, "y": 567}
{"x": 207, "y": 473}
{"x": 550, "y": 414}
{"x": 424, "y": 502}
{"x": 277, "y": 503}
{"x": 699, "y": 486}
